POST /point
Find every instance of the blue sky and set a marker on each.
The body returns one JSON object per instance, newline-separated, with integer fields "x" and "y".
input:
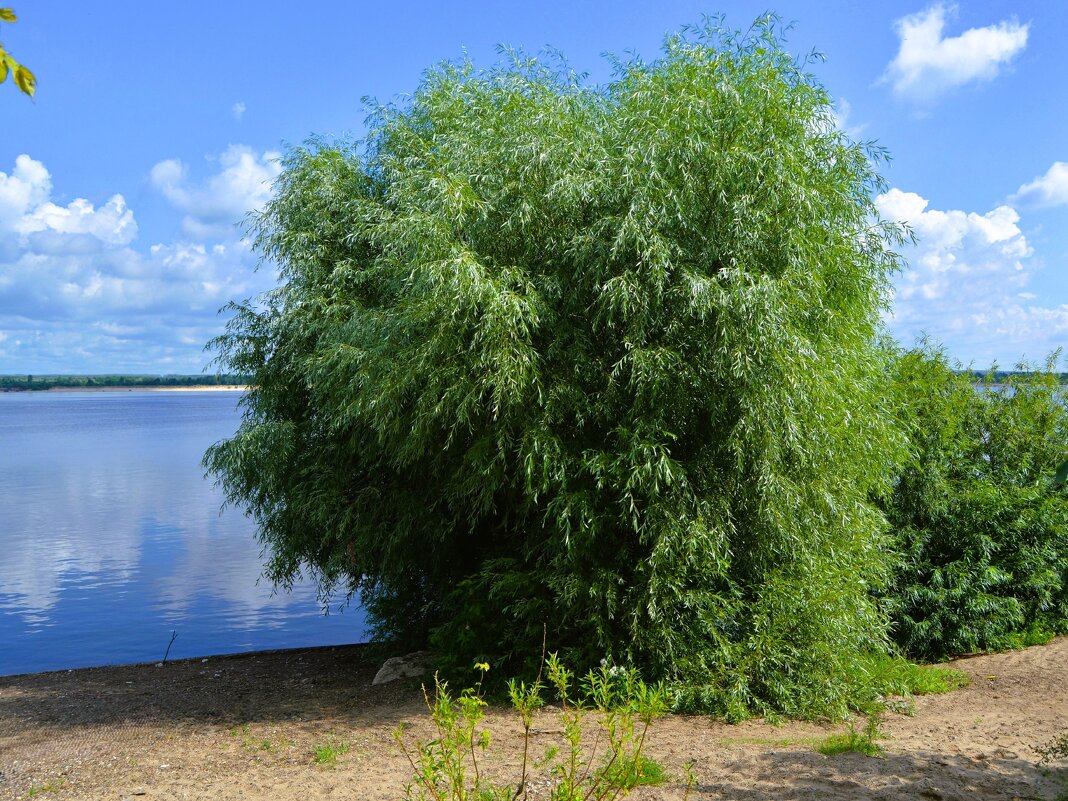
{"x": 156, "y": 127}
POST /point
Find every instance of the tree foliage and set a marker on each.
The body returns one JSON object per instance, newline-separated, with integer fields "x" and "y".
{"x": 979, "y": 521}
{"x": 24, "y": 79}
{"x": 595, "y": 356}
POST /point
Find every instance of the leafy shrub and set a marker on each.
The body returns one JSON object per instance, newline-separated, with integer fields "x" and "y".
{"x": 597, "y": 357}
{"x": 446, "y": 768}
{"x": 980, "y": 526}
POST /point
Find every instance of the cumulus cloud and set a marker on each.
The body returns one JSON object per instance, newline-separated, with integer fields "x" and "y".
{"x": 25, "y": 208}
{"x": 28, "y": 185}
{"x": 966, "y": 284}
{"x": 929, "y": 64}
{"x": 1050, "y": 189}
{"x": 79, "y": 294}
{"x": 112, "y": 222}
{"x": 214, "y": 207}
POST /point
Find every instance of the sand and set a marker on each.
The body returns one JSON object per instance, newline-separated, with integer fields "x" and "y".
{"x": 245, "y": 727}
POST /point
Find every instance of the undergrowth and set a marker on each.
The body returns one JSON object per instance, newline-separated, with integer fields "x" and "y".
{"x": 890, "y": 674}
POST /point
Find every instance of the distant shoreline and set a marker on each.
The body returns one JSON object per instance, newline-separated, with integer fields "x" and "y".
{"x": 190, "y": 388}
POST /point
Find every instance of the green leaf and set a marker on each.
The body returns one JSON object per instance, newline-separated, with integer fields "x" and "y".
{"x": 7, "y": 15}
{"x": 26, "y": 80}
{"x": 1061, "y": 476}
{"x": 3, "y": 70}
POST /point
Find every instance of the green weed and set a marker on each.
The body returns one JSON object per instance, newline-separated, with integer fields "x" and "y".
{"x": 250, "y": 743}
{"x": 1055, "y": 749}
{"x": 48, "y": 787}
{"x": 691, "y": 781}
{"x": 326, "y": 755}
{"x": 604, "y": 766}
{"x": 852, "y": 740}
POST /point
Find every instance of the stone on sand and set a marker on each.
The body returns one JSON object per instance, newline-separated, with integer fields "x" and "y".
{"x": 402, "y": 667}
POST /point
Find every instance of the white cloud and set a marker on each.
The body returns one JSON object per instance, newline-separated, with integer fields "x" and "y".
{"x": 957, "y": 241}
{"x": 966, "y": 284}
{"x": 214, "y": 207}
{"x": 28, "y": 185}
{"x": 928, "y": 64}
{"x": 25, "y": 208}
{"x": 237, "y": 110}
{"x": 1050, "y": 189}
{"x": 113, "y": 222}
{"x": 77, "y": 294}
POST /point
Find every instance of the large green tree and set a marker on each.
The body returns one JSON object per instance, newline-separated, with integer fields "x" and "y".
{"x": 595, "y": 357}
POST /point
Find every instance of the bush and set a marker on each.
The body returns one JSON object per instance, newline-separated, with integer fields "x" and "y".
{"x": 979, "y": 523}
{"x": 596, "y": 357}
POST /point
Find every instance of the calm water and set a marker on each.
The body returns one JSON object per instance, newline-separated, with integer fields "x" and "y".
{"x": 111, "y": 538}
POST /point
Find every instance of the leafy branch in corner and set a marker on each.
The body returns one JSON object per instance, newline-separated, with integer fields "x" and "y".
{"x": 24, "y": 78}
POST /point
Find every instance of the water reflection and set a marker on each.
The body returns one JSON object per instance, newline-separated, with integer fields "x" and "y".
{"x": 110, "y": 537}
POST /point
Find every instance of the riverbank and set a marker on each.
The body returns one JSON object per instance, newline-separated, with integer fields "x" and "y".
{"x": 247, "y": 727}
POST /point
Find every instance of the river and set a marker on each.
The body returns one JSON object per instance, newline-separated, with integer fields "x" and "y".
{"x": 112, "y": 541}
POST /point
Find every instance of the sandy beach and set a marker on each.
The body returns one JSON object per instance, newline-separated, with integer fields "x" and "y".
{"x": 246, "y": 727}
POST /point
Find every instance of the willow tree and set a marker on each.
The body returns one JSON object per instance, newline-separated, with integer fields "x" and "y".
{"x": 595, "y": 357}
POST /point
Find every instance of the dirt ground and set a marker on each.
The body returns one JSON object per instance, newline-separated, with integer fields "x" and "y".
{"x": 246, "y": 727}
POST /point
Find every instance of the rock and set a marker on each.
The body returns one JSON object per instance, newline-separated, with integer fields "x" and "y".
{"x": 402, "y": 667}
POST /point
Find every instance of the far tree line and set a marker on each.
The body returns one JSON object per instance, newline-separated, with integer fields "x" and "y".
{"x": 29, "y": 382}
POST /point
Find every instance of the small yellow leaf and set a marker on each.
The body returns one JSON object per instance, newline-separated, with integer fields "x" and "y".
{"x": 8, "y": 15}
{"x": 3, "y": 70}
{"x": 26, "y": 80}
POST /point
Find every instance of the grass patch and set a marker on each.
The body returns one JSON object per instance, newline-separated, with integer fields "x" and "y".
{"x": 326, "y": 755}
{"x": 895, "y": 675}
{"x": 48, "y": 787}
{"x": 852, "y": 740}
{"x": 255, "y": 743}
